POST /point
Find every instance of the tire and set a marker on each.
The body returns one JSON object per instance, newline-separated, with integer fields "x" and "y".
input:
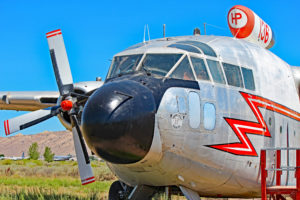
{"x": 115, "y": 191}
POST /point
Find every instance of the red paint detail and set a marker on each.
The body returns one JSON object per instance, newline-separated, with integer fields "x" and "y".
{"x": 241, "y": 127}
{"x": 278, "y": 166}
{"x": 297, "y": 173}
{"x": 276, "y": 192}
{"x": 88, "y": 180}
{"x": 263, "y": 174}
{"x": 66, "y": 105}
{"x": 51, "y": 32}
{"x": 49, "y": 36}
{"x": 5, "y": 128}
{"x": 248, "y": 28}
{"x": 236, "y": 17}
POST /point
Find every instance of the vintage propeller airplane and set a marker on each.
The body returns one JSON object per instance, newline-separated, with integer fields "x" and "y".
{"x": 189, "y": 113}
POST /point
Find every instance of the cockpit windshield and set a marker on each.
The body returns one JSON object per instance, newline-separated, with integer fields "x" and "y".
{"x": 124, "y": 64}
{"x": 159, "y": 64}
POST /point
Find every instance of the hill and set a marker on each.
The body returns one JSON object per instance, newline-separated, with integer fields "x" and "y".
{"x": 60, "y": 142}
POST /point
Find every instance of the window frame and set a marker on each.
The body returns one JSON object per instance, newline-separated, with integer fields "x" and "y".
{"x": 178, "y": 63}
{"x": 240, "y": 74}
{"x": 188, "y": 42}
{"x": 251, "y": 69}
{"x": 113, "y": 61}
{"x": 205, "y": 64}
{"x": 139, "y": 66}
{"x": 222, "y": 71}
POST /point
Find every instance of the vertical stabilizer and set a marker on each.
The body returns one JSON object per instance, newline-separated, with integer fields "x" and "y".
{"x": 296, "y": 74}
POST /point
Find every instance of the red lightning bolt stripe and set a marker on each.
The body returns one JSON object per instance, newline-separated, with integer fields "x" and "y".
{"x": 241, "y": 127}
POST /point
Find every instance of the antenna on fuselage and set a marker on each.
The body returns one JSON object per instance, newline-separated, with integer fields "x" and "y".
{"x": 145, "y": 28}
{"x": 164, "y": 30}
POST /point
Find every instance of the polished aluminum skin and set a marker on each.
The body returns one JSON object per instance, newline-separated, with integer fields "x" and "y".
{"x": 181, "y": 154}
{"x": 190, "y": 124}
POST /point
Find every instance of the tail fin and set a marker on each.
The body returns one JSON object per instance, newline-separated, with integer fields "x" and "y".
{"x": 296, "y": 74}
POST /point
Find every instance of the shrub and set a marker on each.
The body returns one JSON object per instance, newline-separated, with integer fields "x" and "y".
{"x": 6, "y": 162}
{"x": 48, "y": 155}
{"x": 33, "y": 151}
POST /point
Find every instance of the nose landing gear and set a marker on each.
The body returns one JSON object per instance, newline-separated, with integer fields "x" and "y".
{"x": 120, "y": 191}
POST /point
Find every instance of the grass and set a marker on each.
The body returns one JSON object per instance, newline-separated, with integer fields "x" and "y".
{"x": 27, "y": 179}
{"x": 39, "y": 180}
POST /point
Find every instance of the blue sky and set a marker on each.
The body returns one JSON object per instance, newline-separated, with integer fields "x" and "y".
{"x": 96, "y": 30}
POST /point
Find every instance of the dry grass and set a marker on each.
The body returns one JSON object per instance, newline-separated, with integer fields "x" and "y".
{"x": 25, "y": 179}
{"x": 62, "y": 169}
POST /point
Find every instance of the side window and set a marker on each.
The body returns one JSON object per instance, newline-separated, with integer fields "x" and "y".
{"x": 200, "y": 68}
{"x": 216, "y": 71}
{"x": 183, "y": 71}
{"x": 233, "y": 75}
{"x": 194, "y": 109}
{"x": 181, "y": 104}
{"x": 248, "y": 78}
{"x": 209, "y": 116}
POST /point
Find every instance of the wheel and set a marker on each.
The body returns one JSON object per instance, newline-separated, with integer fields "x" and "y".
{"x": 118, "y": 191}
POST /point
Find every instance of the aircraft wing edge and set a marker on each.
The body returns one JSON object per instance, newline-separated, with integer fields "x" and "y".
{"x": 27, "y": 101}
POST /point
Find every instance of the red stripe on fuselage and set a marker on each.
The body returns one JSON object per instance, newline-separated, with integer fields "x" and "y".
{"x": 241, "y": 127}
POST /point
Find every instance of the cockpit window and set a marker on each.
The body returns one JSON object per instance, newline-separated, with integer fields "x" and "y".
{"x": 124, "y": 64}
{"x": 200, "y": 68}
{"x": 248, "y": 78}
{"x": 207, "y": 50}
{"x": 183, "y": 71}
{"x": 216, "y": 71}
{"x": 159, "y": 64}
{"x": 185, "y": 47}
{"x": 233, "y": 75}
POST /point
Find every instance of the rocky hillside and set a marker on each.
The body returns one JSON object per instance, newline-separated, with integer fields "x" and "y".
{"x": 61, "y": 143}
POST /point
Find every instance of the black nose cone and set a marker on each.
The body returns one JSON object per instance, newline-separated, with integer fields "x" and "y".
{"x": 118, "y": 121}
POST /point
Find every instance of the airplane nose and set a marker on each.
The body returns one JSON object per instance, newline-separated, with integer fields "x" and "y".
{"x": 118, "y": 121}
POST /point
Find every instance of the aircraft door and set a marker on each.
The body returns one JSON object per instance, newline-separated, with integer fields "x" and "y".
{"x": 269, "y": 118}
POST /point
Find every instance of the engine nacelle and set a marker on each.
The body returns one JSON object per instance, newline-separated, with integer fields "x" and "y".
{"x": 79, "y": 88}
{"x": 245, "y": 24}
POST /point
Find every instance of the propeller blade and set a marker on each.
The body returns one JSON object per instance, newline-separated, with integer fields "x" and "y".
{"x": 84, "y": 165}
{"x": 60, "y": 62}
{"x": 24, "y": 121}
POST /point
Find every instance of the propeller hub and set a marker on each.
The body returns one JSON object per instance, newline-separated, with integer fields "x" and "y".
{"x": 66, "y": 105}
{"x": 118, "y": 121}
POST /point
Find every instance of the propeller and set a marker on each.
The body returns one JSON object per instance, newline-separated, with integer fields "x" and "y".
{"x": 70, "y": 103}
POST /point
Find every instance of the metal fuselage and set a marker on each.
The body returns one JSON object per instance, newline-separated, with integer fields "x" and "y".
{"x": 222, "y": 160}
